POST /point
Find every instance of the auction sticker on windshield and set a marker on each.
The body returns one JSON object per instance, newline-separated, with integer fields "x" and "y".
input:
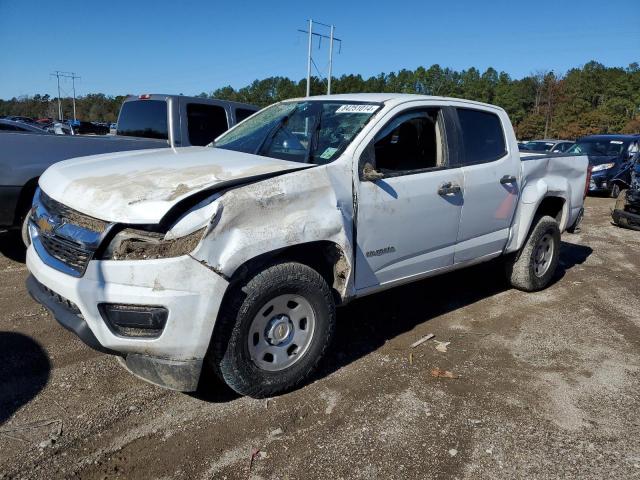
{"x": 357, "y": 108}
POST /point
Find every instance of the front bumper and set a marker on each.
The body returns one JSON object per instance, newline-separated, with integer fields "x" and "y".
{"x": 191, "y": 292}
{"x": 600, "y": 184}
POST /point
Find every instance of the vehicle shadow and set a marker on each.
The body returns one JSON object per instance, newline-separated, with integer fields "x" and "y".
{"x": 213, "y": 390}
{"x": 24, "y": 371}
{"x": 366, "y": 324}
{"x": 11, "y": 246}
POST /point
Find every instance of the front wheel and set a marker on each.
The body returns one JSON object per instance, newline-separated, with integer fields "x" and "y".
{"x": 533, "y": 267}
{"x": 273, "y": 330}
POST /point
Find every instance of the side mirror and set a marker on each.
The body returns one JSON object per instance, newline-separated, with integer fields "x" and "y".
{"x": 370, "y": 174}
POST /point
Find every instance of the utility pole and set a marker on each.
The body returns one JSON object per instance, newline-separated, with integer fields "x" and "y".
{"x": 310, "y": 61}
{"x": 57, "y": 75}
{"x": 330, "y": 61}
{"x": 309, "y": 58}
{"x": 73, "y": 78}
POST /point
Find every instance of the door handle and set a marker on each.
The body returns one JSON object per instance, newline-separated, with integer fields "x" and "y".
{"x": 449, "y": 188}
{"x": 507, "y": 179}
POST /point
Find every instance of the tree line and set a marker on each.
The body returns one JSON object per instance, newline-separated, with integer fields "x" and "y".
{"x": 586, "y": 100}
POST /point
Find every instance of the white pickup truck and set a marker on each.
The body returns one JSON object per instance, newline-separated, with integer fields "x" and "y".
{"x": 234, "y": 256}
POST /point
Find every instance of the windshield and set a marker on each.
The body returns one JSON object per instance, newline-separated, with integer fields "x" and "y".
{"x": 306, "y": 131}
{"x": 598, "y": 147}
{"x": 539, "y": 146}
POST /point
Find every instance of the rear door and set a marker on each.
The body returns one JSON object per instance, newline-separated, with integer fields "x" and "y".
{"x": 491, "y": 169}
{"x": 407, "y": 221}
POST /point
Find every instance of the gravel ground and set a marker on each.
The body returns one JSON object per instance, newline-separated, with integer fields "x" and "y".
{"x": 547, "y": 386}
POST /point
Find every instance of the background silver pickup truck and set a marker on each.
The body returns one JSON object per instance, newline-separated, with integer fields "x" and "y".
{"x": 235, "y": 256}
{"x": 144, "y": 122}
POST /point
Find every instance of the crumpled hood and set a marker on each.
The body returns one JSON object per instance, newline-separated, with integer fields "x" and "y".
{"x": 141, "y": 187}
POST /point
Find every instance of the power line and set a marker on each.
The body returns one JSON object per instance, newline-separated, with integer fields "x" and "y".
{"x": 331, "y": 37}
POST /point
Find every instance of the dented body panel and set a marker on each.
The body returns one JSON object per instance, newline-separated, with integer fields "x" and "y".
{"x": 241, "y": 208}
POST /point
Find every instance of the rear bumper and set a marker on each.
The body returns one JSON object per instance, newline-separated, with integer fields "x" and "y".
{"x": 190, "y": 292}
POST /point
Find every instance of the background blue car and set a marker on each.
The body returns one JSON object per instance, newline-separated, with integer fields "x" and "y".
{"x": 611, "y": 158}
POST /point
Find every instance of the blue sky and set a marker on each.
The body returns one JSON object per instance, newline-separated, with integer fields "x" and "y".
{"x": 188, "y": 47}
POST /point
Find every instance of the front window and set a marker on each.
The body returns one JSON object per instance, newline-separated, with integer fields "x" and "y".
{"x": 604, "y": 148}
{"x": 306, "y": 131}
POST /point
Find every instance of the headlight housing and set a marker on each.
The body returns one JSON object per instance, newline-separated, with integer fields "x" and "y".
{"x": 181, "y": 239}
{"x": 603, "y": 166}
{"x": 134, "y": 244}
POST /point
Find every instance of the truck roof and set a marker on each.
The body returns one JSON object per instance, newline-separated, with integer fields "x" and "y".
{"x": 164, "y": 96}
{"x": 390, "y": 98}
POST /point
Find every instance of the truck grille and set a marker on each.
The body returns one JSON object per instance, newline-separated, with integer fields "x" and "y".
{"x": 64, "y": 238}
{"x": 67, "y": 252}
{"x": 71, "y": 216}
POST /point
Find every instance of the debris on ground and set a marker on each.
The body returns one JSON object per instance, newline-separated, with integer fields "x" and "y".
{"x": 410, "y": 358}
{"x": 255, "y": 452}
{"x": 422, "y": 340}
{"x": 439, "y": 373}
{"x": 442, "y": 346}
{"x": 276, "y": 433}
{"x": 453, "y": 452}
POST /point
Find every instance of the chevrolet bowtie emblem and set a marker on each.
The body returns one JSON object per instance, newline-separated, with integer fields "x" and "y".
{"x": 45, "y": 224}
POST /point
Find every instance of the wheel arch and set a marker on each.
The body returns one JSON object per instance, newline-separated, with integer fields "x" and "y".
{"x": 553, "y": 205}
{"x": 25, "y": 199}
{"x": 325, "y": 256}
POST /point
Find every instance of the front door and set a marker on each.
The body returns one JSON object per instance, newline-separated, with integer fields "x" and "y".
{"x": 407, "y": 221}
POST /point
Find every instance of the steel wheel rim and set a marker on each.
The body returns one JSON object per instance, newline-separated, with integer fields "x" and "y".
{"x": 543, "y": 254}
{"x": 281, "y": 332}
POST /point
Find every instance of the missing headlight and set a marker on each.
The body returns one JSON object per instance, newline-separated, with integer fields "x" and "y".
{"x": 132, "y": 244}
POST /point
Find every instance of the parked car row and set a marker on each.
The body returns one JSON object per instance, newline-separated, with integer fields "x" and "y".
{"x": 611, "y": 158}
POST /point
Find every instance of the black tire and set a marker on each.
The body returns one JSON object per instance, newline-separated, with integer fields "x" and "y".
{"x": 521, "y": 267}
{"x": 615, "y": 190}
{"x": 229, "y": 354}
{"x": 26, "y": 239}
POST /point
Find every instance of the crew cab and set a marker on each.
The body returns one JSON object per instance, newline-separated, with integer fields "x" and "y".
{"x": 234, "y": 256}
{"x": 145, "y": 122}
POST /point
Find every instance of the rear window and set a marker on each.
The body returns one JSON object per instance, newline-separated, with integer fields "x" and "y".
{"x": 205, "y": 123}
{"x": 482, "y": 135}
{"x": 144, "y": 118}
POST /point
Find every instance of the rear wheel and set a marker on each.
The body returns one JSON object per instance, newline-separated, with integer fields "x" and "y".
{"x": 535, "y": 264}
{"x": 273, "y": 330}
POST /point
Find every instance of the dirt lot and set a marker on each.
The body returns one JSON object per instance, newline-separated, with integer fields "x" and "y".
{"x": 548, "y": 387}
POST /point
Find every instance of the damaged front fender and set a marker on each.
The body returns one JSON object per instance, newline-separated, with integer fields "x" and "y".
{"x": 295, "y": 209}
